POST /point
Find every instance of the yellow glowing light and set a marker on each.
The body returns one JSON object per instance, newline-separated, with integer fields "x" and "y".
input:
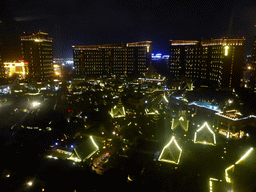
{"x": 210, "y": 183}
{"x": 205, "y": 126}
{"x": 36, "y": 104}
{"x": 57, "y": 73}
{"x": 129, "y": 178}
{"x": 166, "y": 99}
{"x": 20, "y": 68}
{"x": 38, "y": 40}
{"x": 182, "y": 122}
{"x": 94, "y": 142}
{"x": 226, "y": 50}
{"x": 88, "y": 156}
{"x": 168, "y": 149}
{"x": 228, "y": 179}
{"x": 245, "y": 155}
{"x": 117, "y": 112}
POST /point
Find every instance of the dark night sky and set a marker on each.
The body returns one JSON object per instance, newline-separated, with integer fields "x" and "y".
{"x": 80, "y": 22}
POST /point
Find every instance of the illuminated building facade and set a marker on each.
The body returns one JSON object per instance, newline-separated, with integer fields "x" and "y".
{"x": 211, "y": 62}
{"x": 20, "y": 68}
{"x": 184, "y": 58}
{"x": 254, "y": 52}
{"x": 37, "y": 52}
{"x": 57, "y": 70}
{"x": 112, "y": 59}
{"x": 232, "y": 124}
{"x": 1, "y": 66}
{"x": 252, "y": 83}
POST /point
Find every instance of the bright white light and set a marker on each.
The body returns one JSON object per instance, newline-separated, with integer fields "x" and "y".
{"x": 226, "y": 50}
{"x": 36, "y": 104}
{"x": 30, "y": 183}
{"x": 181, "y": 119}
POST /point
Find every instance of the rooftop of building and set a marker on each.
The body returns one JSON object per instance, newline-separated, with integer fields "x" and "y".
{"x": 38, "y": 36}
{"x": 115, "y": 45}
{"x": 209, "y": 42}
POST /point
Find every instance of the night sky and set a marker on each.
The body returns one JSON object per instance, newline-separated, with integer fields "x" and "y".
{"x": 80, "y": 22}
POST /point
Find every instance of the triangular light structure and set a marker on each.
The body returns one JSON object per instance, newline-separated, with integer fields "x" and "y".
{"x": 204, "y": 135}
{"x": 171, "y": 153}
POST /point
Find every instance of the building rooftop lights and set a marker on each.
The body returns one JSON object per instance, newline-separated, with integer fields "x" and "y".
{"x": 233, "y": 118}
{"x": 207, "y": 106}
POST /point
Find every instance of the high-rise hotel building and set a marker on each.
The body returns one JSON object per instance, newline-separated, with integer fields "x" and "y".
{"x": 37, "y": 52}
{"x": 212, "y": 62}
{"x": 112, "y": 59}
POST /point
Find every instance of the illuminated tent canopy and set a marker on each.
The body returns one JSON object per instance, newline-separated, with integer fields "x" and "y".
{"x": 85, "y": 150}
{"x": 151, "y": 111}
{"x": 118, "y": 111}
{"x": 204, "y": 135}
{"x": 171, "y": 153}
{"x": 180, "y": 122}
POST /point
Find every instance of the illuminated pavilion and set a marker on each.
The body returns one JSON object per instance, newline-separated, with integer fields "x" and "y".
{"x": 204, "y": 135}
{"x": 118, "y": 110}
{"x": 151, "y": 111}
{"x": 171, "y": 153}
{"x": 85, "y": 150}
{"x": 180, "y": 123}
